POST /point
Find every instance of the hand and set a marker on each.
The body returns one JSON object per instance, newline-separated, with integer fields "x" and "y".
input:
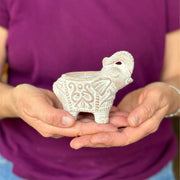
{"x": 42, "y": 110}
{"x": 140, "y": 112}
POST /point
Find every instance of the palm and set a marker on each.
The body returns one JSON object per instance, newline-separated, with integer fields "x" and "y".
{"x": 137, "y": 115}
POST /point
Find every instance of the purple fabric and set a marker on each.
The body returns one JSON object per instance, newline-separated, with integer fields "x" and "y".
{"x": 48, "y": 38}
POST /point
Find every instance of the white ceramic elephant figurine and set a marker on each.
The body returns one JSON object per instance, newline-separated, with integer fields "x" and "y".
{"x": 94, "y": 91}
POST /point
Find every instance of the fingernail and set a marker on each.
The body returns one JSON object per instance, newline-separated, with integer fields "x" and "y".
{"x": 76, "y": 145}
{"x": 135, "y": 120}
{"x": 67, "y": 121}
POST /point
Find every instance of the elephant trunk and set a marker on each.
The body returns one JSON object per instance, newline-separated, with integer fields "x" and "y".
{"x": 120, "y": 58}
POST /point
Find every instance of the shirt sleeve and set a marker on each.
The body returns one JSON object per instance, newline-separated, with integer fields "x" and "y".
{"x": 4, "y": 16}
{"x": 172, "y": 15}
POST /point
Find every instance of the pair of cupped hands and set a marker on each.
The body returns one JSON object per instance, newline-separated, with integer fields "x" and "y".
{"x": 138, "y": 114}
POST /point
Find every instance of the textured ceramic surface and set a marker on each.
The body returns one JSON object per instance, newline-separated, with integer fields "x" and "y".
{"x": 94, "y": 91}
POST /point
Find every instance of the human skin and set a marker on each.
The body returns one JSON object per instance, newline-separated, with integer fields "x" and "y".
{"x": 143, "y": 109}
{"x": 40, "y": 108}
{"x": 140, "y": 112}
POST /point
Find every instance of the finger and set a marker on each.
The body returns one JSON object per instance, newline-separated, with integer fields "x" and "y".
{"x": 56, "y": 136}
{"x": 78, "y": 129}
{"x": 110, "y": 139}
{"x": 84, "y": 141}
{"x": 144, "y": 111}
{"x": 113, "y": 109}
{"x": 92, "y": 141}
{"x": 85, "y": 120}
{"x": 50, "y": 115}
{"x": 118, "y": 113}
{"x": 124, "y": 137}
{"x": 119, "y": 121}
{"x": 128, "y": 135}
{"x": 79, "y": 142}
{"x": 107, "y": 139}
{"x": 147, "y": 127}
{"x": 82, "y": 128}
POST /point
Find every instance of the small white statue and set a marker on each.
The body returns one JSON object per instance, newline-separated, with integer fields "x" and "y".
{"x": 94, "y": 91}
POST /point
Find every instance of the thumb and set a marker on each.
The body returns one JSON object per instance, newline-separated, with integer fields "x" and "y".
{"x": 143, "y": 111}
{"x": 53, "y": 116}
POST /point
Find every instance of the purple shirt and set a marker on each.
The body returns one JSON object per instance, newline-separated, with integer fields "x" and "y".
{"x": 47, "y": 38}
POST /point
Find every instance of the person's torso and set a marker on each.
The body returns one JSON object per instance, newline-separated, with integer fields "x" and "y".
{"x": 51, "y": 37}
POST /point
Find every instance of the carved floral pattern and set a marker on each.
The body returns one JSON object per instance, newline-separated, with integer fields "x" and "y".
{"x": 81, "y": 95}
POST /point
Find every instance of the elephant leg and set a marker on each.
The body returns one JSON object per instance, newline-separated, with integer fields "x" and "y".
{"x": 101, "y": 117}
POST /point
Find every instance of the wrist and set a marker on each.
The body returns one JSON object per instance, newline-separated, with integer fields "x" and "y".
{"x": 174, "y": 108}
{"x": 6, "y": 101}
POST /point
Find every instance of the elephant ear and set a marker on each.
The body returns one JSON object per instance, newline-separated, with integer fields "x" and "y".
{"x": 100, "y": 85}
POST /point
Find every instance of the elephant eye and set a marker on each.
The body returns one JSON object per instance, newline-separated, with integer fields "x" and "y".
{"x": 118, "y": 63}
